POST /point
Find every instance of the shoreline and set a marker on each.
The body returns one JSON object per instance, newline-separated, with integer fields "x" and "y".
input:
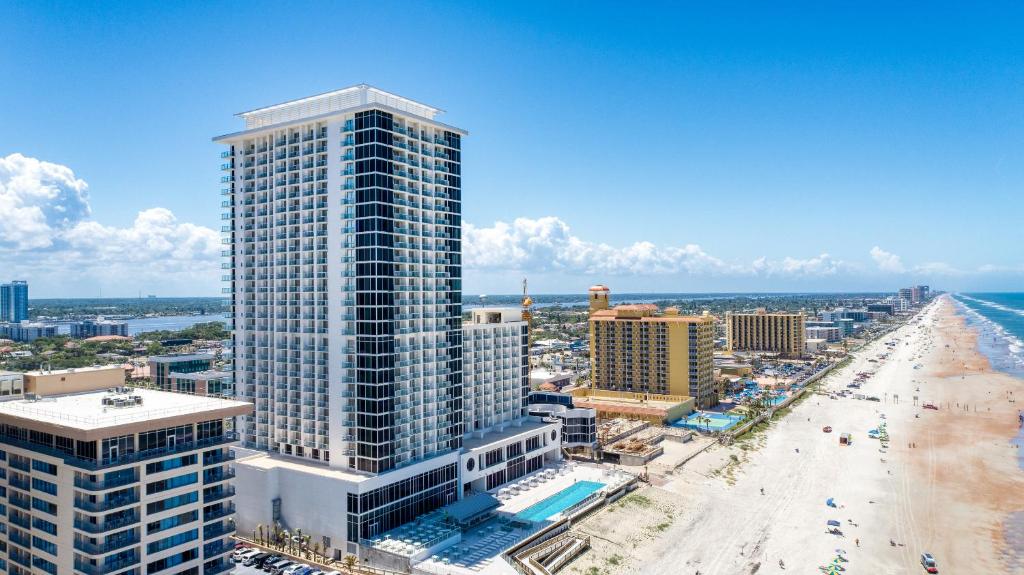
{"x": 1006, "y": 492}
{"x": 948, "y": 483}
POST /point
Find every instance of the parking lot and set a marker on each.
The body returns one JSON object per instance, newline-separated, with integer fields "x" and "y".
{"x": 243, "y": 570}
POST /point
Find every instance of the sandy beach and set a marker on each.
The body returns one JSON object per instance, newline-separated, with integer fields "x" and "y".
{"x": 949, "y": 482}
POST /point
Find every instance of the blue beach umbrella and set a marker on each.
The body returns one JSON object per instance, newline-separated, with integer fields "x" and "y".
{"x": 830, "y": 502}
{"x": 833, "y": 523}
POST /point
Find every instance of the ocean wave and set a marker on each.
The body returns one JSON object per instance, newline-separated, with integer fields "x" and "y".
{"x": 994, "y": 305}
{"x": 1009, "y": 353}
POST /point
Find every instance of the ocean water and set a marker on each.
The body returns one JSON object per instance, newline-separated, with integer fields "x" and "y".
{"x": 999, "y": 319}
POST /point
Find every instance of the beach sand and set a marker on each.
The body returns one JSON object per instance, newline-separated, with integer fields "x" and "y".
{"x": 948, "y": 484}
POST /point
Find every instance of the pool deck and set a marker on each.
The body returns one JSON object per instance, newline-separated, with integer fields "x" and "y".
{"x": 717, "y": 422}
{"x": 481, "y": 547}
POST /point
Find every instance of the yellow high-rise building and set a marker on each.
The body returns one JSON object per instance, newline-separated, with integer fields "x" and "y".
{"x": 780, "y": 332}
{"x": 634, "y": 349}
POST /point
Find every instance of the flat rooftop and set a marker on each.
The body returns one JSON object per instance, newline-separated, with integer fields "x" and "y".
{"x": 91, "y": 368}
{"x": 528, "y": 426}
{"x": 201, "y": 375}
{"x": 181, "y": 357}
{"x": 321, "y": 105}
{"x": 267, "y": 461}
{"x": 86, "y": 411}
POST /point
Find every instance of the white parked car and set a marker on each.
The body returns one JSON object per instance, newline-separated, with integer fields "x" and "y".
{"x": 243, "y": 554}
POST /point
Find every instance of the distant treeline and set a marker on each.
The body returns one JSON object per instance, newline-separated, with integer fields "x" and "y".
{"x": 207, "y": 330}
{"x": 73, "y": 308}
{"x": 714, "y": 302}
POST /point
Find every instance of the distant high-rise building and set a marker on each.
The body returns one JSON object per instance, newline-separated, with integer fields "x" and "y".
{"x": 910, "y": 294}
{"x": 98, "y": 327}
{"x": 780, "y": 332}
{"x": 14, "y": 301}
{"x": 923, "y": 293}
{"x": 635, "y": 349}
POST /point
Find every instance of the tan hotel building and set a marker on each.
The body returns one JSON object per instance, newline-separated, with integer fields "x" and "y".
{"x": 762, "y": 331}
{"x": 633, "y": 349}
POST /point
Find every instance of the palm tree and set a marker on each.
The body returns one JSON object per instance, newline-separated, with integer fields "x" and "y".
{"x": 259, "y": 529}
{"x": 350, "y": 561}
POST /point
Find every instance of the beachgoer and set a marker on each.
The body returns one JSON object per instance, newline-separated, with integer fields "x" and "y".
{"x": 857, "y": 541}
{"x": 762, "y": 491}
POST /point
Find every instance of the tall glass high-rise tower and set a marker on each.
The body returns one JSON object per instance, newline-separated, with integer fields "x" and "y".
{"x": 14, "y": 301}
{"x": 342, "y": 252}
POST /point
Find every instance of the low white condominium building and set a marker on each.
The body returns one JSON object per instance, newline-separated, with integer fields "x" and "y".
{"x": 125, "y": 482}
{"x": 495, "y": 369}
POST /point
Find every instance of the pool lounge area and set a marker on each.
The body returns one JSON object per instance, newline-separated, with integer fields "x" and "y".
{"x": 526, "y": 507}
{"x": 560, "y": 501}
{"x": 707, "y": 421}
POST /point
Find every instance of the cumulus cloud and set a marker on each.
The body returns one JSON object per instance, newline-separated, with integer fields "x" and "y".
{"x": 820, "y": 265}
{"x": 548, "y": 245}
{"x": 937, "y": 269}
{"x": 887, "y": 261}
{"x": 38, "y": 201}
{"x": 45, "y": 232}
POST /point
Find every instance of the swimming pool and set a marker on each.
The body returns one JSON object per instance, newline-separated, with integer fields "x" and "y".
{"x": 714, "y": 422}
{"x": 560, "y": 501}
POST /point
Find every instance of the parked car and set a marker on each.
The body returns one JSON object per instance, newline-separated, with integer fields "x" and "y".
{"x": 282, "y": 567}
{"x": 295, "y": 569}
{"x": 930, "y": 406}
{"x": 252, "y": 559}
{"x": 928, "y": 562}
{"x": 267, "y": 560}
{"x": 280, "y": 563}
{"x": 242, "y": 555}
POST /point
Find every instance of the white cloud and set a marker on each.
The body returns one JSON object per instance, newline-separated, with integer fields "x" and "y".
{"x": 887, "y": 261}
{"x": 821, "y": 265}
{"x": 1001, "y": 269}
{"x": 38, "y": 200}
{"x": 45, "y": 233}
{"x": 548, "y": 245}
{"x": 937, "y": 269}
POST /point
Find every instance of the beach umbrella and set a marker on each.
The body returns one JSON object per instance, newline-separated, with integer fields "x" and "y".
{"x": 830, "y": 502}
{"x": 833, "y": 523}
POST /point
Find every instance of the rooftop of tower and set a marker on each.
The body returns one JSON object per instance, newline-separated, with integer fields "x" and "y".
{"x": 358, "y": 96}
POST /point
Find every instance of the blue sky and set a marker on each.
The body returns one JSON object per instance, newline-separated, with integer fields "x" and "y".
{"x": 656, "y": 147}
